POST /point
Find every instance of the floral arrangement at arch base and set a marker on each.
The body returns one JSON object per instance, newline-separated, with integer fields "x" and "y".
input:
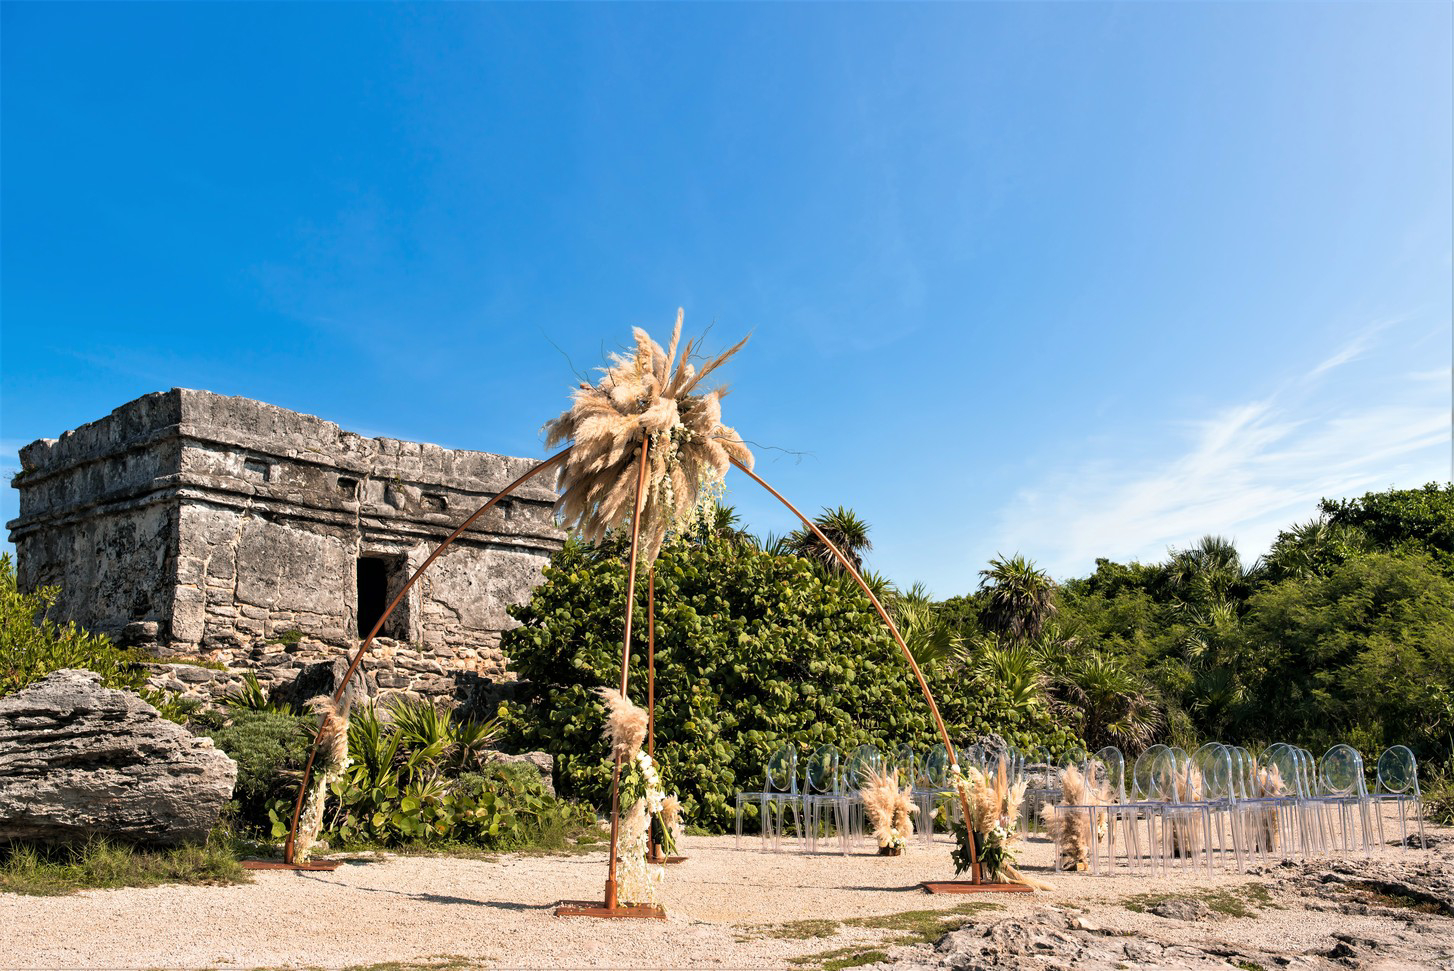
{"x": 888, "y": 808}
{"x": 994, "y": 807}
{"x": 653, "y": 816}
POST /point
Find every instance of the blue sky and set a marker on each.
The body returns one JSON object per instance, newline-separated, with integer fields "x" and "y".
{"x": 1070, "y": 280}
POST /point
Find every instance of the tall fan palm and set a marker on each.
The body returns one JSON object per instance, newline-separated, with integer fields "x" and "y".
{"x": 843, "y": 529}
{"x": 1021, "y": 598}
{"x": 652, "y": 396}
{"x": 1209, "y": 572}
{"x": 1107, "y": 702}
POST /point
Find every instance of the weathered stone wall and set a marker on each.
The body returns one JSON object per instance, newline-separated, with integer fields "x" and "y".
{"x": 298, "y": 671}
{"x": 214, "y": 524}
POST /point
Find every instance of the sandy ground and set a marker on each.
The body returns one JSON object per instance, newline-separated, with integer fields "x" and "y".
{"x": 724, "y": 906}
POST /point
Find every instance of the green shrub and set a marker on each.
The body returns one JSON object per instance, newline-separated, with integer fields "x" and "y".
{"x": 752, "y": 649}
{"x": 404, "y": 787}
{"x": 269, "y": 748}
{"x": 32, "y": 645}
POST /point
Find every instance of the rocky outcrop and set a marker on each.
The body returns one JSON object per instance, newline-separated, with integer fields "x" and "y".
{"x": 79, "y": 760}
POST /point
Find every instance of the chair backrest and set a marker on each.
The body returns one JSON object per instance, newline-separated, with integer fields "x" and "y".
{"x": 1167, "y": 776}
{"x": 861, "y": 761}
{"x": 1308, "y": 768}
{"x": 1143, "y": 773}
{"x": 1398, "y": 772}
{"x": 820, "y": 774}
{"x": 1014, "y": 763}
{"x": 1110, "y": 767}
{"x": 1341, "y": 771}
{"x": 1213, "y": 761}
{"x": 903, "y": 760}
{"x": 1278, "y": 765}
{"x": 780, "y": 774}
{"x": 934, "y": 770}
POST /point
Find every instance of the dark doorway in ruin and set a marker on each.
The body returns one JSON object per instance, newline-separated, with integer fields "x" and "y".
{"x": 373, "y": 591}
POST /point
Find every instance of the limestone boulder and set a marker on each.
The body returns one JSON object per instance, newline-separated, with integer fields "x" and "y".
{"x": 79, "y": 760}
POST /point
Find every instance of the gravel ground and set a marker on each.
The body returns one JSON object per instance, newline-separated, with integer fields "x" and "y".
{"x": 727, "y": 909}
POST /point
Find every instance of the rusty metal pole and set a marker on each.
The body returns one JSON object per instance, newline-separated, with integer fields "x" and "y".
{"x": 611, "y": 897}
{"x": 898, "y": 638}
{"x": 656, "y": 855}
{"x": 554, "y": 460}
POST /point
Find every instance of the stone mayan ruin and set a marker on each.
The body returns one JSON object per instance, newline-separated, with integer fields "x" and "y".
{"x": 202, "y": 525}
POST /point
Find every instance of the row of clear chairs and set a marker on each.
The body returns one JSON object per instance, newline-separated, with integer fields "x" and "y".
{"x": 819, "y": 793}
{"x": 1221, "y": 805}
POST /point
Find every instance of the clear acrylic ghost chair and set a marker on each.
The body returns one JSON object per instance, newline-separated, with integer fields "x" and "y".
{"x": 1043, "y": 788}
{"x": 1344, "y": 796}
{"x": 1280, "y": 772}
{"x": 822, "y": 795}
{"x": 930, "y": 786}
{"x": 861, "y": 762}
{"x": 1144, "y": 796}
{"x": 779, "y": 795}
{"x": 1218, "y": 768}
{"x": 1185, "y": 819}
{"x": 1104, "y": 775}
{"x": 1267, "y": 808}
{"x": 1398, "y": 782}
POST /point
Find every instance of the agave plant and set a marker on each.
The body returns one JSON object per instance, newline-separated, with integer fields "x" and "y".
{"x": 650, "y": 398}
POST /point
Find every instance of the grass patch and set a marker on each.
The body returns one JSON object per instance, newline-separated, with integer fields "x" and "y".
{"x": 1243, "y": 901}
{"x": 287, "y": 638}
{"x": 923, "y": 926}
{"x": 1248, "y": 966}
{"x": 796, "y": 930}
{"x": 843, "y": 957}
{"x": 196, "y": 662}
{"x": 37, "y": 871}
{"x": 445, "y": 962}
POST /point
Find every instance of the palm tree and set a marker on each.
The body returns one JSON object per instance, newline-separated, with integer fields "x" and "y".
{"x": 1312, "y": 547}
{"x": 1021, "y": 598}
{"x": 1209, "y": 572}
{"x": 930, "y": 640}
{"x": 1011, "y": 667}
{"x": 1108, "y": 704}
{"x": 843, "y": 529}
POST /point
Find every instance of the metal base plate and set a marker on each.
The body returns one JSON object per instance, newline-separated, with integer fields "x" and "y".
{"x": 964, "y": 886}
{"x": 591, "y": 908}
{"x": 327, "y": 865}
{"x": 668, "y": 861}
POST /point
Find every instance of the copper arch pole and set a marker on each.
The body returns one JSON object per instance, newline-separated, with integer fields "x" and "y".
{"x": 379, "y": 625}
{"x": 898, "y": 638}
{"x": 611, "y": 897}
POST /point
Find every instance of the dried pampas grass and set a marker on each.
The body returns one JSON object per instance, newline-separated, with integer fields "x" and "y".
{"x": 625, "y": 729}
{"x": 671, "y": 818}
{"x": 1072, "y": 831}
{"x": 331, "y": 759}
{"x": 888, "y": 807}
{"x": 650, "y": 394}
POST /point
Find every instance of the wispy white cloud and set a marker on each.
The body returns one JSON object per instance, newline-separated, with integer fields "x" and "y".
{"x": 1246, "y": 471}
{"x": 1354, "y": 349}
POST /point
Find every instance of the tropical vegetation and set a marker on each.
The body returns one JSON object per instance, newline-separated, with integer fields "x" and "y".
{"x": 1343, "y": 632}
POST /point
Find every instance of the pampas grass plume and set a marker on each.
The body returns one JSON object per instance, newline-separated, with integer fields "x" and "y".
{"x": 625, "y": 724}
